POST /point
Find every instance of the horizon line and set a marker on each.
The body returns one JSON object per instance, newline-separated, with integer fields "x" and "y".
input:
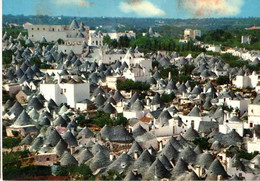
{"x": 135, "y": 17}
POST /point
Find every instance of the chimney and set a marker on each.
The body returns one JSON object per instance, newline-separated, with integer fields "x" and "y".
{"x": 47, "y": 77}
{"x": 130, "y": 130}
{"x": 219, "y": 177}
{"x": 160, "y": 145}
{"x": 72, "y": 150}
{"x": 111, "y": 156}
{"x": 169, "y": 76}
{"x": 147, "y": 101}
{"x": 59, "y": 78}
{"x": 135, "y": 155}
{"x": 54, "y": 114}
{"x": 150, "y": 150}
{"x": 135, "y": 172}
{"x": 198, "y": 171}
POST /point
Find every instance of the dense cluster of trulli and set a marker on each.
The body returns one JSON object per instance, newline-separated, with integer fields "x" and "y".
{"x": 150, "y": 151}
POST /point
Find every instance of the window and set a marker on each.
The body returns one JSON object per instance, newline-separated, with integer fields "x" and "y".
{"x": 47, "y": 159}
{"x": 64, "y": 90}
{"x": 52, "y": 29}
{"x": 32, "y": 28}
{"x": 251, "y": 125}
{"x": 32, "y": 35}
{"x": 61, "y": 91}
{"x": 192, "y": 123}
{"x": 252, "y": 110}
{"x": 43, "y": 28}
{"x": 38, "y": 28}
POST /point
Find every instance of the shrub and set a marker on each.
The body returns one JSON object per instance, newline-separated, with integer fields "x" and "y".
{"x": 11, "y": 142}
{"x": 223, "y": 80}
{"x": 7, "y": 56}
{"x": 167, "y": 97}
{"x": 129, "y": 85}
{"x": 202, "y": 142}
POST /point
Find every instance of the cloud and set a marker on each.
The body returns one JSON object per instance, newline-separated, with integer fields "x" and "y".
{"x": 212, "y": 8}
{"x": 141, "y": 8}
{"x": 82, "y": 3}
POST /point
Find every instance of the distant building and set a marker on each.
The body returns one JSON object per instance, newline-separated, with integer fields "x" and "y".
{"x": 253, "y": 28}
{"x": 72, "y": 33}
{"x": 245, "y": 39}
{"x": 96, "y": 38}
{"x": 189, "y": 33}
{"x": 213, "y": 48}
{"x": 116, "y": 36}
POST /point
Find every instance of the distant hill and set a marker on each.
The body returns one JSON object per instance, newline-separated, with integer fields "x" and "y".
{"x": 138, "y": 23}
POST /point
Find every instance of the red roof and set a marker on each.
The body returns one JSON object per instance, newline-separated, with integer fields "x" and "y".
{"x": 253, "y": 28}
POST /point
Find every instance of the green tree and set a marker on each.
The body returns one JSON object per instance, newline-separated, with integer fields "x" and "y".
{"x": 129, "y": 85}
{"x": 202, "y": 142}
{"x": 10, "y": 142}
{"x": 166, "y": 98}
{"x": 36, "y": 61}
{"x": 107, "y": 40}
{"x": 60, "y": 41}
{"x": 223, "y": 80}
{"x": 187, "y": 69}
{"x": 7, "y": 57}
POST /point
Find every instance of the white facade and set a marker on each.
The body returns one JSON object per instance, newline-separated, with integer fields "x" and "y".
{"x": 116, "y": 36}
{"x": 213, "y": 48}
{"x": 65, "y": 92}
{"x": 228, "y": 126}
{"x": 108, "y": 58}
{"x": 137, "y": 74}
{"x": 243, "y": 81}
{"x": 246, "y": 39}
{"x": 135, "y": 114}
{"x": 189, "y": 33}
{"x": 77, "y": 48}
{"x": 111, "y": 81}
{"x": 253, "y": 145}
{"x": 55, "y": 32}
{"x": 193, "y": 121}
{"x": 253, "y": 115}
{"x": 96, "y": 40}
{"x": 242, "y": 105}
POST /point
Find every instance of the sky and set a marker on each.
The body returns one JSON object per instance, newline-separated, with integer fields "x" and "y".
{"x": 135, "y": 8}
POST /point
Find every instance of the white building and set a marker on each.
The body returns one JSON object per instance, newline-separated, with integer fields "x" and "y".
{"x": 253, "y": 144}
{"x": 243, "y": 81}
{"x": 213, "y": 48}
{"x": 95, "y": 38}
{"x": 245, "y": 39}
{"x": 70, "y": 92}
{"x": 77, "y": 47}
{"x": 253, "y": 115}
{"x": 234, "y": 123}
{"x": 242, "y": 104}
{"x": 111, "y": 56}
{"x": 72, "y": 33}
{"x": 116, "y": 36}
{"x": 189, "y": 33}
{"x": 137, "y": 74}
